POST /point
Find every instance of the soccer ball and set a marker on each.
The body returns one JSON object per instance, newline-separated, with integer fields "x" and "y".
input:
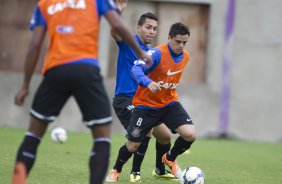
{"x": 59, "y": 135}
{"x": 192, "y": 175}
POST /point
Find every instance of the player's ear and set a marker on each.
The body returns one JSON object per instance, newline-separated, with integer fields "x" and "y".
{"x": 138, "y": 28}
{"x": 169, "y": 37}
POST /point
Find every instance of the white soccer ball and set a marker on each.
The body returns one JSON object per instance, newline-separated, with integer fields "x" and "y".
{"x": 59, "y": 135}
{"x": 192, "y": 175}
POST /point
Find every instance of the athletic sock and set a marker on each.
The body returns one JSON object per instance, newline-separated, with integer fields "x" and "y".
{"x": 27, "y": 151}
{"x": 179, "y": 147}
{"x": 139, "y": 155}
{"x": 99, "y": 160}
{"x": 122, "y": 158}
{"x": 161, "y": 149}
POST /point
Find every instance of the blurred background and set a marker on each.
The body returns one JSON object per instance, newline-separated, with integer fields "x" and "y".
{"x": 230, "y": 87}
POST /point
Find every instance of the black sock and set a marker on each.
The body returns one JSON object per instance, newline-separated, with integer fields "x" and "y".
{"x": 139, "y": 155}
{"x": 122, "y": 158}
{"x": 179, "y": 147}
{"x": 99, "y": 160}
{"x": 27, "y": 151}
{"x": 161, "y": 149}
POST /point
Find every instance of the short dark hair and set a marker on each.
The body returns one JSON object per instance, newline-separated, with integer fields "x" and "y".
{"x": 178, "y": 29}
{"x": 145, "y": 16}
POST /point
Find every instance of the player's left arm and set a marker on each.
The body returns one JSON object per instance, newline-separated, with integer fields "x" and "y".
{"x": 141, "y": 69}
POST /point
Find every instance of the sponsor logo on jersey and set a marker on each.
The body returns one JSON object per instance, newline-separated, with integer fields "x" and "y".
{"x": 139, "y": 62}
{"x": 150, "y": 52}
{"x": 60, "y": 6}
{"x": 64, "y": 29}
{"x": 173, "y": 73}
{"x": 167, "y": 85}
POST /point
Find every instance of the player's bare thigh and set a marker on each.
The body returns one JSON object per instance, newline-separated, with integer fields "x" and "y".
{"x": 162, "y": 134}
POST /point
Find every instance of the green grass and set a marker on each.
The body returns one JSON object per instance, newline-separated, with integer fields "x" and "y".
{"x": 223, "y": 161}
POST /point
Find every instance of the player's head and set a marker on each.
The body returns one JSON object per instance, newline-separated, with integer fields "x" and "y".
{"x": 147, "y": 27}
{"x": 178, "y": 37}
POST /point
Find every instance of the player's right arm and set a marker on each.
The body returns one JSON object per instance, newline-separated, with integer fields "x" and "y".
{"x": 108, "y": 9}
{"x": 141, "y": 69}
{"x": 121, "y": 4}
{"x": 118, "y": 25}
{"x": 31, "y": 58}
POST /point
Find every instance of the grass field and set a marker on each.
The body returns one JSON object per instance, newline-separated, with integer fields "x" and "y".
{"x": 223, "y": 161}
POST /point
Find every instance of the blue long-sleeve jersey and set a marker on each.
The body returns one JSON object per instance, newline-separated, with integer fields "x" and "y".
{"x": 125, "y": 83}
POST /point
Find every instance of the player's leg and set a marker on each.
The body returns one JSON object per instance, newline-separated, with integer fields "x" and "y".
{"x": 123, "y": 108}
{"x": 48, "y": 101}
{"x": 180, "y": 121}
{"x": 27, "y": 151}
{"x": 183, "y": 142}
{"x": 90, "y": 94}
{"x": 100, "y": 153}
{"x": 138, "y": 158}
{"x": 163, "y": 137}
{"x": 139, "y": 126}
{"x": 125, "y": 152}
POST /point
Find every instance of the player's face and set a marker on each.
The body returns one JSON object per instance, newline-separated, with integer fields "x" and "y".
{"x": 178, "y": 43}
{"x": 147, "y": 32}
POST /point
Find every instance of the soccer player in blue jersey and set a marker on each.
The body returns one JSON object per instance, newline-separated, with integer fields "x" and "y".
{"x": 71, "y": 68}
{"x": 126, "y": 87}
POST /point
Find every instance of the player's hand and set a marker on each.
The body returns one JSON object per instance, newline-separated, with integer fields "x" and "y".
{"x": 121, "y": 4}
{"x": 154, "y": 87}
{"x": 20, "y": 96}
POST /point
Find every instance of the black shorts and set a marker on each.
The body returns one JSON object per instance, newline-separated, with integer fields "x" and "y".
{"x": 84, "y": 83}
{"x": 123, "y": 108}
{"x": 143, "y": 120}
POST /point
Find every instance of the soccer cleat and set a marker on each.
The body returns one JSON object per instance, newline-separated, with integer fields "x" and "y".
{"x": 135, "y": 177}
{"x": 167, "y": 175}
{"x": 174, "y": 167}
{"x": 19, "y": 176}
{"x": 113, "y": 176}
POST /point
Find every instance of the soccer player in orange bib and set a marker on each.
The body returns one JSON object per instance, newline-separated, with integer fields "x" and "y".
{"x": 156, "y": 99}
{"x": 71, "y": 68}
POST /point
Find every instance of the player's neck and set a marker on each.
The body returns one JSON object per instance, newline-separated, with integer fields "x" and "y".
{"x": 143, "y": 41}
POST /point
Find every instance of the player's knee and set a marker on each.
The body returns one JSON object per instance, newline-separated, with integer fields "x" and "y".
{"x": 164, "y": 139}
{"x": 189, "y": 135}
{"x": 167, "y": 137}
{"x": 163, "y": 136}
{"x": 101, "y": 131}
{"x": 132, "y": 146}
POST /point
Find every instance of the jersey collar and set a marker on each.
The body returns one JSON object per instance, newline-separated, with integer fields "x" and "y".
{"x": 172, "y": 53}
{"x": 139, "y": 41}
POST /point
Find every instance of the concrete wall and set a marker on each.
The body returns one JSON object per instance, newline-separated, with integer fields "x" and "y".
{"x": 255, "y": 106}
{"x": 255, "y": 112}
